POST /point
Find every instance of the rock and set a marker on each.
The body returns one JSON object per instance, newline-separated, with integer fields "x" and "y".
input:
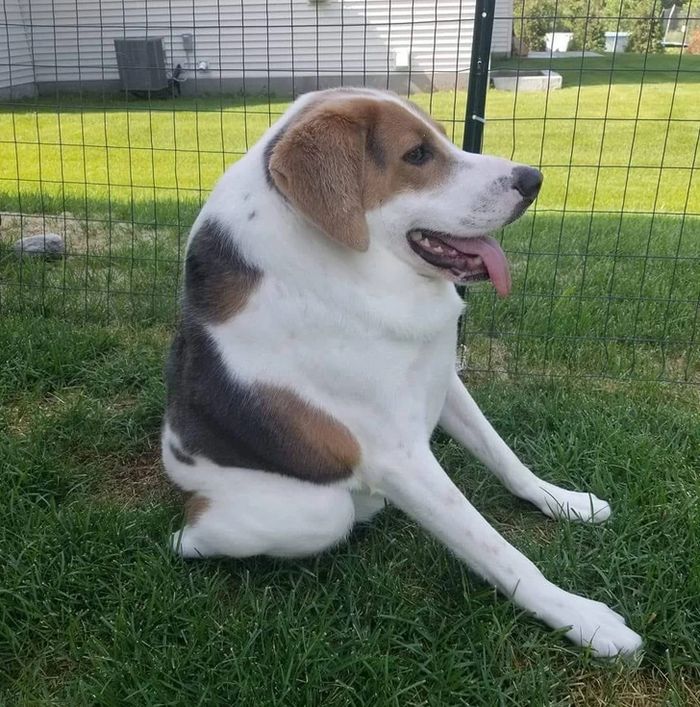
{"x": 47, "y": 245}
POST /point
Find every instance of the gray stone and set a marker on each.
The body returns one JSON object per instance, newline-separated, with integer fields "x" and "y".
{"x": 47, "y": 245}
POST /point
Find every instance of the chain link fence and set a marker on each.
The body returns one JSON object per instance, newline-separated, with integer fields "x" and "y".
{"x": 113, "y": 145}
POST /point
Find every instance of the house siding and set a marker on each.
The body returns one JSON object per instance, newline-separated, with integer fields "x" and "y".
{"x": 253, "y": 41}
{"x": 16, "y": 66}
{"x": 502, "y": 38}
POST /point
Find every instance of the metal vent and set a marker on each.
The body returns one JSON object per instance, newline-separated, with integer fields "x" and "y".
{"x": 141, "y": 64}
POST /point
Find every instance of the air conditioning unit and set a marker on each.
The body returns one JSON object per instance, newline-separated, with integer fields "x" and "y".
{"x": 141, "y": 64}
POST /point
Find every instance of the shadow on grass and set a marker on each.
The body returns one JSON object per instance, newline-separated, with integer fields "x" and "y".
{"x": 108, "y": 102}
{"x": 594, "y": 294}
{"x": 164, "y": 212}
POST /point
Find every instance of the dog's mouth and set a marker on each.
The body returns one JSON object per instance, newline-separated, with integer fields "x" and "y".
{"x": 463, "y": 260}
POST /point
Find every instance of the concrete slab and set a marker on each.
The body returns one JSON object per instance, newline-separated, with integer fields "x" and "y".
{"x": 526, "y": 81}
{"x": 561, "y": 55}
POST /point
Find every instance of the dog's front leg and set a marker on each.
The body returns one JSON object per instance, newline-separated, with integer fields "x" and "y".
{"x": 419, "y": 486}
{"x": 462, "y": 420}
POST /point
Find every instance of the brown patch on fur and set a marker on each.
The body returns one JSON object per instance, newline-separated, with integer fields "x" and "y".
{"x": 254, "y": 426}
{"x": 437, "y": 125}
{"x": 195, "y": 507}
{"x": 399, "y": 131}
{"x": 218, "y": 279}
{"x": 234, "y": 292}
{"x": 321, "y": 162}
{"x": 327, "y": 443}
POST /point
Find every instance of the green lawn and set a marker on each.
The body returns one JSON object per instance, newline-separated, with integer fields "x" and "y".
{"x": 95, "y": 610}
{"x": 605, "y": 264}
{"x": 606, "y": 269}
{"x": 156, "y": 160}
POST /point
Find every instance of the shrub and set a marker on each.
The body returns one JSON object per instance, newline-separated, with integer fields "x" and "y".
{"x": 587, "y": 24}
{"x": 642, "y": 19}
{"x": 583, "y": 18}
{"x": 532, "y": 20}
{"x": 588, "y": 20}
{"x": 694, "y": 43}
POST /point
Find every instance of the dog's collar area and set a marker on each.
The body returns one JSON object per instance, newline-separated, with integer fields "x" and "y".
{"x": 463, "y": 260}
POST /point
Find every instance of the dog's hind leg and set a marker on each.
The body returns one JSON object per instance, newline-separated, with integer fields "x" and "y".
{"x": 261, "y": 513}
{"x": 462, "y": 419}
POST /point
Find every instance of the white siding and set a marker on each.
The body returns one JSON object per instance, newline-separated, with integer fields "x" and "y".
{"x": 15, "y": 53}
{"x": 502, "y": 39}
{"x": 73, "y": 39}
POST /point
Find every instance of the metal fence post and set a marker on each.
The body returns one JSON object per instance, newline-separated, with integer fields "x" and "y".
{"x": 477, "y": 87}
{"x": 478, "y": 75}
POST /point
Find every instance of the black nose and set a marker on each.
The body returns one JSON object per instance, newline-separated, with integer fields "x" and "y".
{"x": 527, "y": 181}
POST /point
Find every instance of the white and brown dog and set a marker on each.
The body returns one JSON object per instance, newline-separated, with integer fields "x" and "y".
{"x": 316, "y": 349}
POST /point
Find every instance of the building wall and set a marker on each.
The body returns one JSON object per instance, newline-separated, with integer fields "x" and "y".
{"x": 251, "y": 41}
{"x": 16, "y": 66}
{"x": 502, "y": 38}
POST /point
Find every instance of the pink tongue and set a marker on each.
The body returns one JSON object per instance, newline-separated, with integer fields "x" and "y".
{"x": 489, "y": 250}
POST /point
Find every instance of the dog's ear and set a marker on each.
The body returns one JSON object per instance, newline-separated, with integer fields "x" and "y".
{"x": 318, "y": 164}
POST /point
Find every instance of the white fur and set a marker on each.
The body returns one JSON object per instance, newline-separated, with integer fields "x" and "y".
{"x": 370, "y": 339}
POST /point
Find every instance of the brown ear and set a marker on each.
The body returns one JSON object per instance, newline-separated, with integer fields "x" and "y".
{"x": 318, "y": 164}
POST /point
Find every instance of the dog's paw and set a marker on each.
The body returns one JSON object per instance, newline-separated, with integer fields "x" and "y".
{"x": 182, "y": 543}
{"x": 578, "y": 506}
{"x": 591, "y": 624}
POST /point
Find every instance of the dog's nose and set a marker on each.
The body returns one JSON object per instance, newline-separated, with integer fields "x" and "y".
{"x": 527, "y": 181}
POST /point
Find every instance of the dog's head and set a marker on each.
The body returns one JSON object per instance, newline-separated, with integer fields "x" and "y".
{"x": 366, "y": 166}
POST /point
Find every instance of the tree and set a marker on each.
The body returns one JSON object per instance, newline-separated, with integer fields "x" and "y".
{"x": 532, "y": 20}
{"x": 588, "y": 20}
{"x": 642, "y": 19}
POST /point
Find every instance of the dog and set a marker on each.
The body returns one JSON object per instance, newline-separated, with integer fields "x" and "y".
{"x": 315, "y": 353}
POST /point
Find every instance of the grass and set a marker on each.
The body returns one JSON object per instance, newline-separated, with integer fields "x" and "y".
{"x": 94, "y": 610}
{"x": 155, "y": 161}
{"x": 605, "y": 264}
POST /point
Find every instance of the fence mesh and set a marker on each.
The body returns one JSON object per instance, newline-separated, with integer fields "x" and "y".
{"x": 602, "y": 95}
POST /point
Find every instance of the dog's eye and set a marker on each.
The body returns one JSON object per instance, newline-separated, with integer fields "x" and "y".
{"x": 418, "y": 155}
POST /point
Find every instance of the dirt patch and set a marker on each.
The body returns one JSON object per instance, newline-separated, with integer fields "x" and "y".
{"x": 532, "y": 525}
{"x": 138, "y": 482}
{"x": 483, "y": 359}
{"x": 684, "y": 368}
{"x": 22, "y": 414}
{"x": 82, "y": 236}
{"x": 632, "y": 689}
{"x": 18, "y": 420}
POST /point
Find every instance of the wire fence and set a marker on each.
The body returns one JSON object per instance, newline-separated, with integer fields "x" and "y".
{"x": 113, "y": 146}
